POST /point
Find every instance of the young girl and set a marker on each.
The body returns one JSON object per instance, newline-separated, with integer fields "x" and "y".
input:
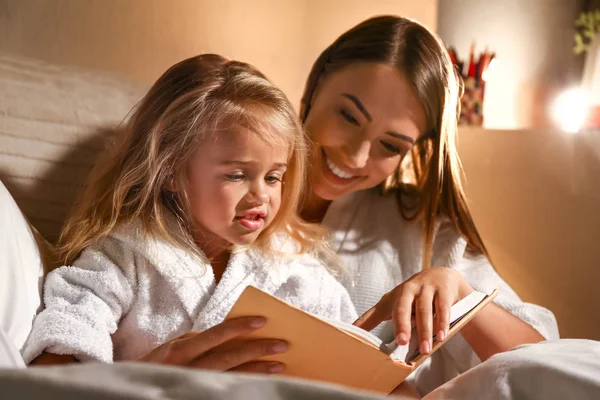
{"x": 197, "y": 202}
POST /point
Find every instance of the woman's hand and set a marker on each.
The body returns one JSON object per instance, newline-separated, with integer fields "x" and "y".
{"x": 434, "y": 289}
{"x": 210, "y": 349}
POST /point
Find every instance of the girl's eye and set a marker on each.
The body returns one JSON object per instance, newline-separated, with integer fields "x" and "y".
{"x": 272, "y": 179}
{"x": 348, "y": 117}
{"x": 390, "y": 147}
{"x": 234, "y": 177}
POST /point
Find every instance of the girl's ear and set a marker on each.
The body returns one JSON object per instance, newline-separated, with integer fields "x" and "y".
{"x": 171, "y": 185}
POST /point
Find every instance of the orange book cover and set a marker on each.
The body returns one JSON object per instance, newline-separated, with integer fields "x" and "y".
{"x": 324, "y": 351}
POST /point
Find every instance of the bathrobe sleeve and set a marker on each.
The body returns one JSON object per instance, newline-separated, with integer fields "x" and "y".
{"x": 84, "y": 304}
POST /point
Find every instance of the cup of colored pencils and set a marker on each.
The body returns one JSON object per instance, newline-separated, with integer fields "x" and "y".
{"x": 474, "y": 79}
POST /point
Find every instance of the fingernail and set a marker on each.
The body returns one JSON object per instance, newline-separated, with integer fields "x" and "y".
{"x": 258, "y": 322}
{"x": 441, "y": 335}
{"x": 425, "y": 347}
{"x": 279, "y": 347}
{"x": 276, "y": 368}
{"x": 402, "y": 338}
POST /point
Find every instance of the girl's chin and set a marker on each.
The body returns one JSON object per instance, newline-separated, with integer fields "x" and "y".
{"x": 245, "y": 239}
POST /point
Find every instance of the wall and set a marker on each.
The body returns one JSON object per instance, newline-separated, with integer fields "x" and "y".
{"x": 534, "y": 43}
{"x": 535, "y": 198}
{"x": 326, "y": 20}
{"x": 141, "y": 38}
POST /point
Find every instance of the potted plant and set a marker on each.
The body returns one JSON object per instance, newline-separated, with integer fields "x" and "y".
{"x": 587, "y": 40}
{"x": 587, "y": 25}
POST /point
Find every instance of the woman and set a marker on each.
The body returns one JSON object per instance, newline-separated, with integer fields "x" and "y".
{"x": 384, "y": 90}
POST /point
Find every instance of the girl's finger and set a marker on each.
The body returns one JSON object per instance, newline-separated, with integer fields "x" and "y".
{"x": 233, "y": 357}
{"x": 260, "y": 367}
{"x": 188, "y": 348}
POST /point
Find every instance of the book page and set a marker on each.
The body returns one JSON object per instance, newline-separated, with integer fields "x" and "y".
{"x": 366, "y": 336}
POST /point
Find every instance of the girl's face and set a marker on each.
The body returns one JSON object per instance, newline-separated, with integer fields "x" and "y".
{"x": 235, "y": 182}
{"x": 363, "y": 119}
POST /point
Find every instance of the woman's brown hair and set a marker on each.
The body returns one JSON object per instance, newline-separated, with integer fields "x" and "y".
{"x": 435, "y": 165}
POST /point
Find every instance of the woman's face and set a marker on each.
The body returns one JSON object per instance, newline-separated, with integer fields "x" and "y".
{"x": 363, "y": 119}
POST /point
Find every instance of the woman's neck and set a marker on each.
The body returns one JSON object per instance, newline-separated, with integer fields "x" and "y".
{"x": 314, "y": 208}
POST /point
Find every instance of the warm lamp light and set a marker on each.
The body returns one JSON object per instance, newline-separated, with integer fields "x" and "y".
{"x": 570, "y": 109}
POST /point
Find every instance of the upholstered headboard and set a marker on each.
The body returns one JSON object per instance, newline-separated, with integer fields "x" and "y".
{"x": 53, "y": 122}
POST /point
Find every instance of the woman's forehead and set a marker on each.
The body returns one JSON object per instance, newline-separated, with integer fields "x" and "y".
{"x": 383, "y": 91}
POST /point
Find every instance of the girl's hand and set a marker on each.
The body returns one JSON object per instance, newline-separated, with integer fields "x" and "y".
{"x": 210, "y": 349}
{"x": 434, "y": 289}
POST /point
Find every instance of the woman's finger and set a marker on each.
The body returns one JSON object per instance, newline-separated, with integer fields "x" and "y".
{"x": 443, "y": 303}
{"x": 424, "y": 318}
{"x": 376, "y": 315}
{"x": 233, "y": 357}
{"x": 260, "y": 367}
{"x": 402, "y": 312}
{"x": 189, "y": 347}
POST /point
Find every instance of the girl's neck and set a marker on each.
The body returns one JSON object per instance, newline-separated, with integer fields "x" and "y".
{"x": 219, "y": 263}
{"x": 217, "y": 251}
{"x": 314, "y": 208}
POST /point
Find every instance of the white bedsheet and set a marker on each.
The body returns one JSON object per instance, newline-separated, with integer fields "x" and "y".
{"x": 559, "y": 370}
{"x": 554, "y": 370}
{"x": 144, "y": 381}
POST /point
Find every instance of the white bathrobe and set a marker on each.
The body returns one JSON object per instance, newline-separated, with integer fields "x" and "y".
{"x": 380, "y": 250}
{"x": 126, "y": 295}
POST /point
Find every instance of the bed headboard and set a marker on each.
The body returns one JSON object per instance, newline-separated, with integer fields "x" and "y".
{"x": 53, "y": 122}
{"x": 535, "y": 198}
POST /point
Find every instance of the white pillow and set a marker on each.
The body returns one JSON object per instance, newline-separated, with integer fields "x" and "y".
{"x": 21, "y": 272}
{"x": 9, "y": 355}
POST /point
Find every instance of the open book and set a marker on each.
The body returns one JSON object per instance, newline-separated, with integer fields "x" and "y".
{"x": 339, "y": 352}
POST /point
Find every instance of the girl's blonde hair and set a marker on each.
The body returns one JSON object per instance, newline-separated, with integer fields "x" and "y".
{"x": 421, "y": 57}
{"x": 190, "y": 102}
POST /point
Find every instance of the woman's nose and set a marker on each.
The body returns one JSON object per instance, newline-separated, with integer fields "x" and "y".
{"x": 357, "y": 154}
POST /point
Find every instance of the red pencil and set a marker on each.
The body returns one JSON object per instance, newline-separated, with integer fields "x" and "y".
{"x": 472, "y": 72}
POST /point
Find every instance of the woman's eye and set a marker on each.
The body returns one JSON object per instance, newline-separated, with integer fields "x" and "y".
{"x": 272, "y": 179}
{"x": 348, "y": 117}
{"x": 391, "y": 148}
{"x": 234, "y": 177}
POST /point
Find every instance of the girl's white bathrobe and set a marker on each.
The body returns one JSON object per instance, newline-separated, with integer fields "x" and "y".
{"x": 127, "y": 294}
